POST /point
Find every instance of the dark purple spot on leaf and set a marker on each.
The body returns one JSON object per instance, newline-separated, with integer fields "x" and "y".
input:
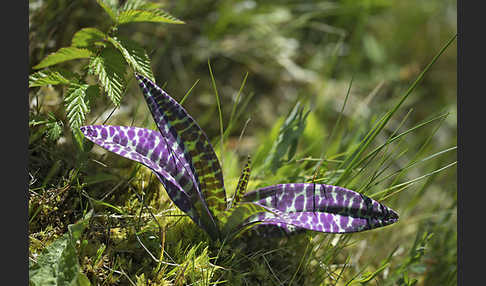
{"x": 124, "y": 141}
{"x": 104, "y": 133}
{"x": 131, "y": 134}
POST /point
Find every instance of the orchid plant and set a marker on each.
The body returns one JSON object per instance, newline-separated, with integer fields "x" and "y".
{"x": 182, "y": 158}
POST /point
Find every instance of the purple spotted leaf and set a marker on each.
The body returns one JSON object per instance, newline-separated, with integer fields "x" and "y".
{"x": 191, "y": 142}
{"x": 242, "y": 183}
{"x": 317, "y": 207}
{"x": 180, "y": 128}
{"x": 150, "y": 148}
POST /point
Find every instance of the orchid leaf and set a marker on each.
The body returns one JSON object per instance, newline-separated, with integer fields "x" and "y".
{"x": 319, "y": 207}
{"x": 242, "y": 183}
{"x": 182, "y": 130}
{"x": 151, "y": 149}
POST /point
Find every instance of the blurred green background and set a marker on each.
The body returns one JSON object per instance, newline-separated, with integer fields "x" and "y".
{"x": 306, "y": 51}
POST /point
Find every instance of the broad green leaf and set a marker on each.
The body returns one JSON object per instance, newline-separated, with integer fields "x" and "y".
{"x": 76, "y": 230}
{"x": 289, "y": 135}
{"x": 58, "y": 264}
{"x": 86, "y": 37}
{"x": 157, "y": 16}
{"x": 51, "y": 77}
{"x": 63, "y": 55}
{"x": 83, "y": 280}
{"x": 110, "y": 68}
{"x": 76, "y": 105}
{"x": 110, "y": 8}
{"x": 134, "y": 55}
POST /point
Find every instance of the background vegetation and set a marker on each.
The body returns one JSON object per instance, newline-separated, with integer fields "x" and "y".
{"x": 309, "y": 52}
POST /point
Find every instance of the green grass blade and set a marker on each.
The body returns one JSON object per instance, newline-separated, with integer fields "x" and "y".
{"x": 413, "y": 164}
{"x": 221, "y": 129}
{"x": 420, "y": 151}
{"x": 393, "y": 139}
{"x": 387, "y": 117}
{"x": 188, "y": 92}
{"x": 235, "y": 104}
{"x": 408, "y": 183}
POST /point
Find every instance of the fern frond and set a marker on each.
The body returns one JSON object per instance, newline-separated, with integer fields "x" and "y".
{"x": 110, "y": 8}
{"x": 62, "y": 55}
{"x": 76, "y": 105}
{"x": 157, "y": 16}
{"x": 139, "y": 4}
{"x": 134, "y": 55}
{"x": 110, "y": 67}
{"x": 51, "y": 77}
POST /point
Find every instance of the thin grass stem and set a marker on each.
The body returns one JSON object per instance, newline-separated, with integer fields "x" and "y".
{"x": 387, "y": 117}
{"x": 221, "y": 129}
{"x": 188, "y": 92}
